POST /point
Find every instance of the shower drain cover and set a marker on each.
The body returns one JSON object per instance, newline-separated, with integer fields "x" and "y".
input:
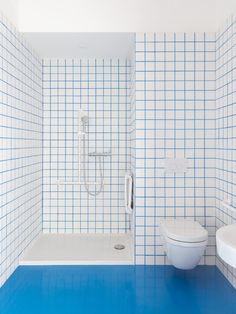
{"x": 119, "y": 247}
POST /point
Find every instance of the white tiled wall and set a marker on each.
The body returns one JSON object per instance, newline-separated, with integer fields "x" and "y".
{"x": 226, "y": 130}
{"x": 163, "y": 105}
{"x": 20, "y": 147}
{"x": 175, "y": 118}
{"x": 101, "y": 89}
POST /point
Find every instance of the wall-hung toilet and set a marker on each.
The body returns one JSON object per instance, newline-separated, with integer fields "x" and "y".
{"x": 184, "y": 242}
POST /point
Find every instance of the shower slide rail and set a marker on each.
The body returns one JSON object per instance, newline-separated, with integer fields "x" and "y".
{"x": 82, "y": 122}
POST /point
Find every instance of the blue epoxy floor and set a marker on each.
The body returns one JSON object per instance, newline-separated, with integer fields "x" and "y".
{"x": 117, "y": 289}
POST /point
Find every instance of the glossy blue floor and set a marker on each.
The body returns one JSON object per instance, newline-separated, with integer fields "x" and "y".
{"x": 117, "y": 289}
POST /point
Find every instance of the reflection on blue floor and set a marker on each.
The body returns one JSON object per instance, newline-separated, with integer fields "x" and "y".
{"x": 117, "y": 289}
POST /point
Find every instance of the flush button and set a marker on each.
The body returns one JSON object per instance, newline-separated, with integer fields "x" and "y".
{"x": 176, "y": 165}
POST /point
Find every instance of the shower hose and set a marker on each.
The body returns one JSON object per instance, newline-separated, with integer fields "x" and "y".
{"x": 101, "y": 175}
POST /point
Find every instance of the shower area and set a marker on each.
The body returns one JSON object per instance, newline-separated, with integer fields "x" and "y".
{"x": 86, "y": 156}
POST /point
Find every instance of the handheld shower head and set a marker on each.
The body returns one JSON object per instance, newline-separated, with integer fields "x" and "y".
{"x": 85, "y": 119}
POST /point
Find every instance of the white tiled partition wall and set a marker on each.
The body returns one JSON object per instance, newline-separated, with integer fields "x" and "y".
{"x": 133, "y": 135}
{"x": 226, "y": 130}
{"x": 20, "y": 147}
{"x": 101, "y": 89}
{"x": 175, "y": 118}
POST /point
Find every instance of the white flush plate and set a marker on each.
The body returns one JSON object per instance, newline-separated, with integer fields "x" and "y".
{"x": 176, "y": 165}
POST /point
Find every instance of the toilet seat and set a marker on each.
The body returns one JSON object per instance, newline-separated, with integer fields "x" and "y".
{"x": 184, "y": 231}
{"x": 186, "y": 244}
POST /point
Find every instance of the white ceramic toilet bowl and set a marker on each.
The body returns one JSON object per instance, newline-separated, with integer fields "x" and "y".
{"x": 184, "y": 242}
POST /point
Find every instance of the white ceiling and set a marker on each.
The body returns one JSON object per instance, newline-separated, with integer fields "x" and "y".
{"x": 92, "y": 28}
{"x": 10, "y": 8}
{"x": 80, "y": 45}
{"x": 117, "y": 15}
{"x": 123, "y": 15}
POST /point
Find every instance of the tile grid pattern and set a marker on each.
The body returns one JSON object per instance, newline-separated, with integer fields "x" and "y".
{"x": 225, "y": 130}
{"x": 175, "y": 118}
{"x": 172, "y": 114}
{"x": 20, "y": 147}
{"x": 101, "y": 89}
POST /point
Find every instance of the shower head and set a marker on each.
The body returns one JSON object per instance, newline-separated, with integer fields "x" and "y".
{"x": 83, "y": 117}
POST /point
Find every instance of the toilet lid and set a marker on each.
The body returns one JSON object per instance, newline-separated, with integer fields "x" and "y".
{"x": 184, "y": 230}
